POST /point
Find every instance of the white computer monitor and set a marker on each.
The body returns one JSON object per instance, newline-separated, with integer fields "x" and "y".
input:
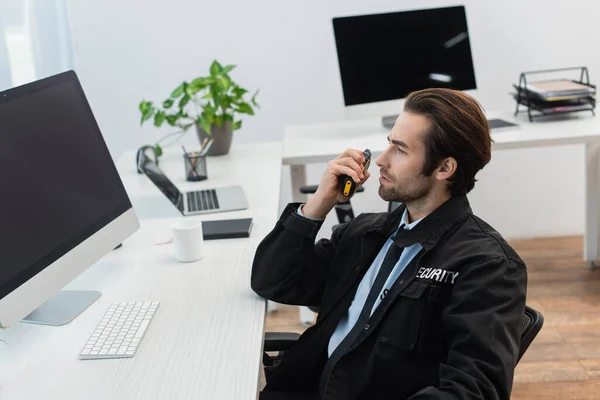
{"x": 384, "y": 57}
{"x": 63, "y": 205}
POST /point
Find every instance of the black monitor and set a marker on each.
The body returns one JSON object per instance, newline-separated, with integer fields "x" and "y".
{"x": 63, "y": 205}
{"x": 386, "y": 56}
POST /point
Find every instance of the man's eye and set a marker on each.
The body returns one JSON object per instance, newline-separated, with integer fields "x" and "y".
{"x": 401, "y": 151}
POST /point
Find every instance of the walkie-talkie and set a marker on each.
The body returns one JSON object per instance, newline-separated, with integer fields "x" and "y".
{"x": 348, "y": 184}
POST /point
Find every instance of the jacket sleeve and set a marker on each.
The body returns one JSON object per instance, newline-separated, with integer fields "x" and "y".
{"x": 482, "y": 326}
{"x": 288, "y": 266}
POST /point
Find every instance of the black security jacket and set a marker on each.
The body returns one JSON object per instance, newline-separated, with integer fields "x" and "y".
{"x": 449, "y": 328}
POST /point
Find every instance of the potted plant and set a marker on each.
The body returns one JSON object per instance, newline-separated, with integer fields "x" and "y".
{"x": 212, "y": 104}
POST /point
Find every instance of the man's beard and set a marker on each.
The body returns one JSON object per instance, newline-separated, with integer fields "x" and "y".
{"x": 407, "y": 191}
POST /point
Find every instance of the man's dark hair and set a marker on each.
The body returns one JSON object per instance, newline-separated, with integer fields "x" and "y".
{"x": 459, "y": 129}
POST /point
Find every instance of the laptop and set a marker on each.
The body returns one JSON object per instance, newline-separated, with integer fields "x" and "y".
{"x": 205, "y": 201}
{"x": 498, "y": 124}
{"x": 495, "y": 124}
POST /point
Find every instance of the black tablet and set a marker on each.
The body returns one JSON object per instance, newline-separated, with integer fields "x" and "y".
{"x": 227, "y": 228}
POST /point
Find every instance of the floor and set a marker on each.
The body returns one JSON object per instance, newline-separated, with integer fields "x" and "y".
{"x": 564, "y": 360}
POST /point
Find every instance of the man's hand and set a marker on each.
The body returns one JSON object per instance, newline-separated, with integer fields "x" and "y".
{"x": 329, "y": 193}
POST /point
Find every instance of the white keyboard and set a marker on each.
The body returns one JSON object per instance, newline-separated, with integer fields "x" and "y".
{"x": 120, "y": 332}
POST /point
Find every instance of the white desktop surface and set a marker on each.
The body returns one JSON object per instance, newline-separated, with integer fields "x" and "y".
{"x": 205, "y": 342}
{"x": 314, "y": 143}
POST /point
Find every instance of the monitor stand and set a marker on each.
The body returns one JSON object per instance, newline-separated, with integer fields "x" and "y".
{"x": 388, "y": 121}
{"x": 62, "y": 308}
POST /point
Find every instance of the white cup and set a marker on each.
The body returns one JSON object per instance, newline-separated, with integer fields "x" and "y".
{"x": 188, "y": 239}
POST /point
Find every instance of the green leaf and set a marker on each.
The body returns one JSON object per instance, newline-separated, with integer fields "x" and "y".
{"x": 206, "y": 126}
{"x": 159, "y": 150}
{"x": 228, "y": 69}
{"x": 167, "y": 103}
{"x": 217, "y": 99}
{"x": 207, "y": 96}
{"x": 172, "y": 119}
{"x": 215, "y": 68}
{"x": 197, "y": 85}
{"x": 224, "y": 83}
{"x": 145, "y": 105}
{"x": 245, "y": 108}
{"x": 238, "y": 91}
{"x": 208, "y": 110}
{"x": 219, "y": 121}
{"x": 147, "y": 115}
{"x": 228, "y": 117}
{"x": 179, "y": 91}
{"x": 254, "y": 99}
{"x": 184, "y": 100}
{"x": 159, "y": 118}
{"x": 237, "y": 125}
{"x": 199, "y": 82}
{"x": 226, "y": 102}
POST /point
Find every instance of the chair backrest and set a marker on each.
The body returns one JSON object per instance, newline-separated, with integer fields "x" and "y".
{"x": 532, "y": 324}
{"x": 392, "y": 205}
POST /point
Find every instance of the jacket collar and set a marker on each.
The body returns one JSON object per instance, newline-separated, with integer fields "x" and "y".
{"x": 433, "y": 226}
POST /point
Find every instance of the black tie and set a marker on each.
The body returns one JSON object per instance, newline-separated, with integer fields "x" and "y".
{"x": 389, "y": 262}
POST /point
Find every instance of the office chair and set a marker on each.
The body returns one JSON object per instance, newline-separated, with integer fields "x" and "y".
{"x": 532, "y": 324}
{"x": 282, "y": 341}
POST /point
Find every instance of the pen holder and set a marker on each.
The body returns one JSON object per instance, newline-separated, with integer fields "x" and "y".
{"x": 195, "y": 167}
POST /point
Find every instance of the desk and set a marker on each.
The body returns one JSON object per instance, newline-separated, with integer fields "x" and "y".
{"x": 205, "y": 341}
{"x": 305, "y": 144}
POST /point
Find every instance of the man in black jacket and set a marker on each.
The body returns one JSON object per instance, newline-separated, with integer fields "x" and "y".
{"x": 425, "y": 302}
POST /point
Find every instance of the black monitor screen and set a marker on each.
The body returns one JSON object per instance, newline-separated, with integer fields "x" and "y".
{"x": 387, "y": 56}
{"x": 59, "y": 183}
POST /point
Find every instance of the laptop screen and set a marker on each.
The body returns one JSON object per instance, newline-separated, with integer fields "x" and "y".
{"x": 163, "y": 183}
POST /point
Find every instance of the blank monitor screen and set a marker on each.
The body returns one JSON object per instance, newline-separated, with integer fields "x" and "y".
{"x": 386, "y": 56}
{"x": 59, "y": 183}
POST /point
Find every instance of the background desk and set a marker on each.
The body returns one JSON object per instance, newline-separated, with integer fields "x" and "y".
{"x": 305, "y": 144}
{"x": 205, "y": 341}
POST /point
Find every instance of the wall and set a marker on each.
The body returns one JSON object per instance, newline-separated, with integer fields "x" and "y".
{"x": 126, "y": 51}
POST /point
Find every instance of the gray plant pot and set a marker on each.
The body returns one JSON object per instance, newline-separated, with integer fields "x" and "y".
{"x": 222, "y": 137}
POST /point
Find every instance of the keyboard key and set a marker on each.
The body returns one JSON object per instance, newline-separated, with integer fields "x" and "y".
{"x": 142, "y": 329}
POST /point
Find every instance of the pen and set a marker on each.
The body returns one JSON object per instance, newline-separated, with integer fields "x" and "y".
{"x": 205, "y": 149}
{"x": 203, "y": 144}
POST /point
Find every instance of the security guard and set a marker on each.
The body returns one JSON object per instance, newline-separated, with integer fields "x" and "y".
{"x": 425, "y": 302}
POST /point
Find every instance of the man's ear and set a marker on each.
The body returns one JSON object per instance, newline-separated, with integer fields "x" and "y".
{"x": 446, "y": 169}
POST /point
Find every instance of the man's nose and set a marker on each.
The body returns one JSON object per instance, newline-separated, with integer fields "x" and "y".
{"x": 380, "y": 161}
